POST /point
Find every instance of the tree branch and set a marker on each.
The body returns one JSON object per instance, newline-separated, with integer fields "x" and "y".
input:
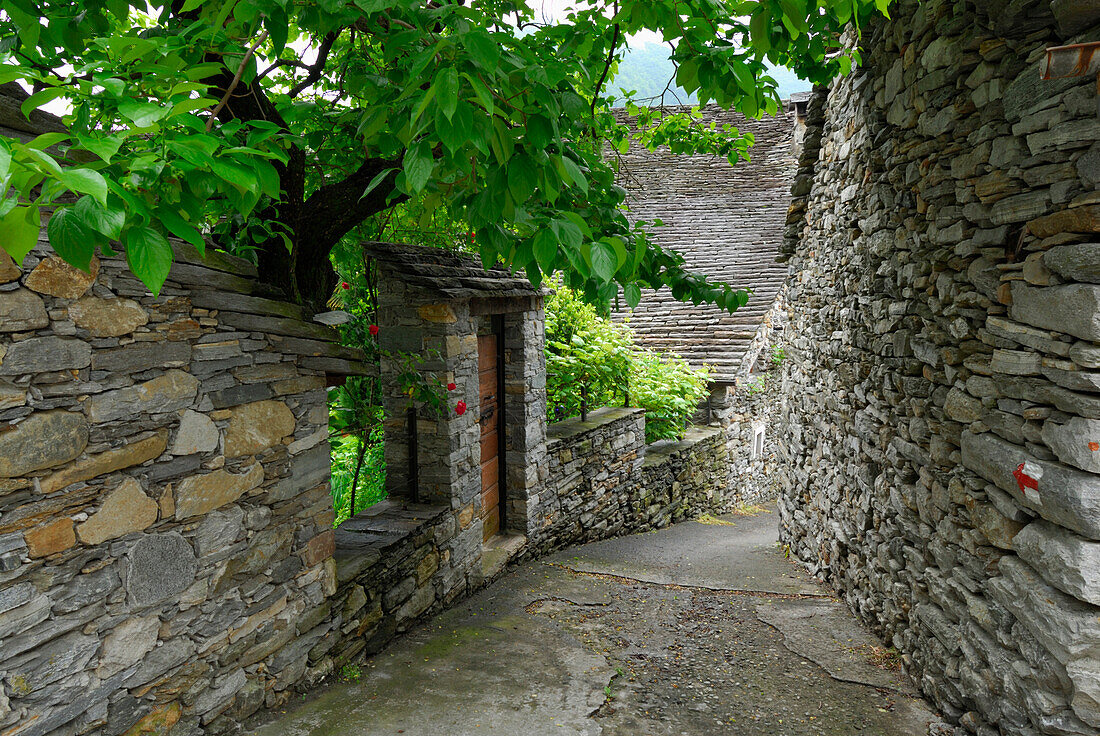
{"x": 236, "y": 80}
{"x": 318, "y": 66}
{"x": 607, "y": 65}
{"x": 335, "y": 208}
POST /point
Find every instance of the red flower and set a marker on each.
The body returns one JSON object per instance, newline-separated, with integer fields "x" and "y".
{"x": 374, "y": 329}
{"x": 451, "y": 387}
{"x": 346, "y": 285}
{"x": 460, "y": 408}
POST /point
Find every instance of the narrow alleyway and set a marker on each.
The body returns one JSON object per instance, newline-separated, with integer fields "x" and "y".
{"x": 698, "y": 629}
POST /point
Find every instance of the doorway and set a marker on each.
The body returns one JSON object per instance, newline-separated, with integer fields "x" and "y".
{"x": 491, "y": 388}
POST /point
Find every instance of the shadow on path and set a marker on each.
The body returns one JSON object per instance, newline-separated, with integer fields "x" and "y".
{"x": 694, "y": 630}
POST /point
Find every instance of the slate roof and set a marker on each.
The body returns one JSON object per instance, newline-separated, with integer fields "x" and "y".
{"x": 450, "y": 273}
{"x": 727, "y": 222}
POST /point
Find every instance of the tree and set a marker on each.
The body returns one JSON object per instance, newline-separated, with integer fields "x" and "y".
{"x": 280, "y": 126}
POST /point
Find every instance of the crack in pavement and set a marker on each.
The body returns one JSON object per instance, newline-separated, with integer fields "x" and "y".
{"x": 626, "y": 579}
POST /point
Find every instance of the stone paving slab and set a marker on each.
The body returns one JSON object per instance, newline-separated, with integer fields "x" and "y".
{"x": 552, "y": 650}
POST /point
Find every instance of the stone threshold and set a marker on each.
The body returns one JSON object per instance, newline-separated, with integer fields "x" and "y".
{"x": 497, "y": 552}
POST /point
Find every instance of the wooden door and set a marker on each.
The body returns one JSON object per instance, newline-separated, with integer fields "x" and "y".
{"x": 492, "y": 434}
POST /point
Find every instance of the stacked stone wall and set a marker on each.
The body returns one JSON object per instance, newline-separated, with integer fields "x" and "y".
{"x": 941, "y": 400}
{"x": 395, "y": 564}
{"x": 165, "y": 518}
{"x": 603, "y": 481}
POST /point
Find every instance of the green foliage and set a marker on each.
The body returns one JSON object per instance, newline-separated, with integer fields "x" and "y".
{"x": 244, "y": 118}
{"x": 350, "y": 673}
{"x": 371, "y": 486}
{"x": 586, "y": 349}
{"x": 668, "y": 389}
{"x": 358, "y": 461}
{"x": 583, "y": 349}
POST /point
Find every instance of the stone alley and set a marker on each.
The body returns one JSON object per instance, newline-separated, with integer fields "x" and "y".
{"x": 699, "y": 628}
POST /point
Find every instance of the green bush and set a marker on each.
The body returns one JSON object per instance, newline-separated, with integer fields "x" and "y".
{"x": 584, "y": 348}
{"x": 668, "y": 389}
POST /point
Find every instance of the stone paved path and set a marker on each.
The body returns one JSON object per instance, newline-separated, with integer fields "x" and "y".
{"x": 694, "y": 630}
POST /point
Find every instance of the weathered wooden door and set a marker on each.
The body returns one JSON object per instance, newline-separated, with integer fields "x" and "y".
{"x": 492, "y": 476}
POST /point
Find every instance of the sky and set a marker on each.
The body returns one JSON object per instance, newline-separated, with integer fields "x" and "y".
{"x": 548, "y": 10}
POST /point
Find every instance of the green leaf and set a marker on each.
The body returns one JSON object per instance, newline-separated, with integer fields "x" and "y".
{"x": 539, "y": 132}
{"x": 44, "y": 141}
{"x": 568, "y": 232}
{"x": 456, "y": 131}
{"x": 376, "y": 181}
{"x": 142, "y": 114}
{"x": 5, "y": 161}
{"x": 106, "y": 148}
{"x": 446, "y": 90}
{"x": 237, "y": 175}
{"x": 71, "y": 238}
{"x": 575, "y": 173}
{"x": 758, "y": 27}
{"x": 149, "y": 255}
{"x": 418, "y": 165}
{"x": 181, "y": 228}
{"x": 546, "y": 249}
{"x": 522, "y": 178}
{"x": 46, "y": 162}
{"x": 268, "y": 176}
{"x": 19, "y": 231}
{"x": 106, "y": 220}
{"x": 603, "y": 261}
{"x": 483, "y": 49}
{"x": 633, "y": 294}
{"x": 86, "y": 181}
{"x": 40, "y": 98}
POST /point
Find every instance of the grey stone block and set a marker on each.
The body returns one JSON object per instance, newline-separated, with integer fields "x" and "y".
{"x": 158, "y": 566}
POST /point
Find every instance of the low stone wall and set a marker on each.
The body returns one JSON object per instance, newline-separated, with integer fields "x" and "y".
{"x": 165, "y": 519}
{"x": 395, "y": 564}
{"x": 602, "y": 481}
{"x": 942, "y": 393}
{"x": 682, "y": 479}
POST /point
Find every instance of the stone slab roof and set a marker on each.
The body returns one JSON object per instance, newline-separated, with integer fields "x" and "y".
{"x": 453, "y": 274}
{"x": 727, "y": 222}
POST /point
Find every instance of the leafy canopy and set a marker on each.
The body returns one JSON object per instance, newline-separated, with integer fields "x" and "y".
{"x": 281, "y": 126}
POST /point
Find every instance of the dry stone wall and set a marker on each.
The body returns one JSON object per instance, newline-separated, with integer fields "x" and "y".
{"x": 602, "y": 480}
{"x": 941, "y": 400}
{"x": 165, "y": 518}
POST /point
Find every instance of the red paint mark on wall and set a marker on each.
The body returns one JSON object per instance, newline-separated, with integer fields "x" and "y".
{"x": 1024, "y": 480}
{"x": 1094, "y": 446}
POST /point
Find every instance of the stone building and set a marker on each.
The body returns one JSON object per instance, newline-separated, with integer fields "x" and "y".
{"x": 728, "y": 223}
{"x": 940, "y": 391}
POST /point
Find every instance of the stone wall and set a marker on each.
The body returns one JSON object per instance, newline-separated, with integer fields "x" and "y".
{"x": 748, "y": 413}
{"x": 165, "y": 518}
{"x": 603, "y": 481}
{"x": 395, "y": 564}
{"x": 940, "y": 386}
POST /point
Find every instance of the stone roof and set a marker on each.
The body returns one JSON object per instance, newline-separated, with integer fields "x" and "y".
{"x": 727, "y": 222}
{"x": 457, "y": 275}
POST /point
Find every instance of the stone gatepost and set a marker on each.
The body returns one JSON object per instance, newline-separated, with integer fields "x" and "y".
{"x": 435, "y": 304}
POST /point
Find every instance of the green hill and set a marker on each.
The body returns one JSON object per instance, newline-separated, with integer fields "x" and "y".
{"x": 647, "y": 69}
